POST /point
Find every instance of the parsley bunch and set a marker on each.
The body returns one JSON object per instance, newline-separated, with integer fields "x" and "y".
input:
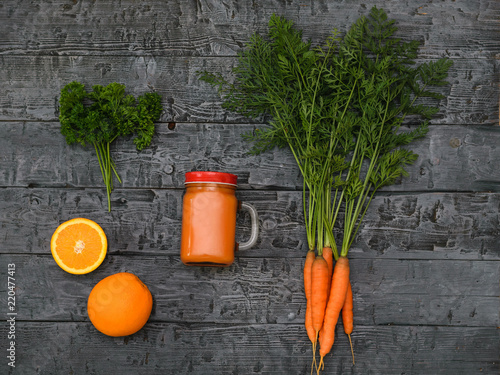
{"x": 339, "y": 108}
{"x": 102, "y": 115}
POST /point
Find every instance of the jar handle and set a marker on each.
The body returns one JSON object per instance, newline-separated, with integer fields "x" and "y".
{"x": 255, "y": 226}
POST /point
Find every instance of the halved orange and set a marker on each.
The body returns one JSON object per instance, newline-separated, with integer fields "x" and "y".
{"x": 79, "y": 245}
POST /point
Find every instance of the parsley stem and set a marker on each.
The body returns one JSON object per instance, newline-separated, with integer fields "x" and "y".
{"x": 106, "y": 166}
{"x": 99, "y": 158}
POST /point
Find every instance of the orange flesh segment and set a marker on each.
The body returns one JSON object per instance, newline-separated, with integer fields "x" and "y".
{"x": 79, "y": 246}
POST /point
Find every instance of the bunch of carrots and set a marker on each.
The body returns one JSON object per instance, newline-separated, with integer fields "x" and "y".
{"x": 328, "y": 293}
{"x": 338, "y": 108}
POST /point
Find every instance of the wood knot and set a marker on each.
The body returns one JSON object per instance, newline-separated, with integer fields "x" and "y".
{"x": 455, "y": 142}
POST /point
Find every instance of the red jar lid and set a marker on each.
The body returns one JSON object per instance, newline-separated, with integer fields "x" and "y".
{"x": 211, "y": 177}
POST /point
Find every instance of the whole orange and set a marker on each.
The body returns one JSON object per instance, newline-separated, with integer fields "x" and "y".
{"x": 119, "y": 305}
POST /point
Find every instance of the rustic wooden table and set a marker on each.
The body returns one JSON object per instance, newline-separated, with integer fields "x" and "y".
{"x": 425, "y": 266}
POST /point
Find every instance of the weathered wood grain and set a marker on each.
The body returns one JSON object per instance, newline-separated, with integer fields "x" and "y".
{"x": 426, "y": 263}
{"x": 170, "y": 348}
{"x": 451, "y": 158}
{"x": 268, "y": 290}
{"x": 406, "y": 226}
{"x": 32, "y": 84}
{"x": 216, "y": 28}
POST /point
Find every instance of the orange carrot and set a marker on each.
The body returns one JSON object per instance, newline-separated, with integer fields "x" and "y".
{"x": 347, "y": 316}
{"x": 319, "y": 285}
{"x": 340, "y": 282}
{"x": 319, "y": 290}
{"x": 307, "y": 289}
{"x": 328, "y": 255}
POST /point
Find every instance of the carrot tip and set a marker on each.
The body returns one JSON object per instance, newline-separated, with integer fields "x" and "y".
{"x": 314, "y": 364}
{"x": 352, "y": 351}
{"x": 321, "y": 366}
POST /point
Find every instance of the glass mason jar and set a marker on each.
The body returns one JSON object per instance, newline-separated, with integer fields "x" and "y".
{"x": 209, "y": 220}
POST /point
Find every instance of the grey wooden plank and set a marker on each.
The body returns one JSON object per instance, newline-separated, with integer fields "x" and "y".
{"x": 446, "y": 225}
{"x": 164, "y": 348}
{"x": 425, "y": 266}
{"x": 460, "y": 28}
{"x": 451, "y": 158}
{"x": 268, "y": 290}
{"x": 406, "y": 226}
{"x": 32, "y": 86}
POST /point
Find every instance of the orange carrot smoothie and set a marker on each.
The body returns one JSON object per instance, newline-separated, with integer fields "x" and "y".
{"x": 208, "y": 220}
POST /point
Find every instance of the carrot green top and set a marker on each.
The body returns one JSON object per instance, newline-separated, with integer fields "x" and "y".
{"x": 339, "y": 108}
